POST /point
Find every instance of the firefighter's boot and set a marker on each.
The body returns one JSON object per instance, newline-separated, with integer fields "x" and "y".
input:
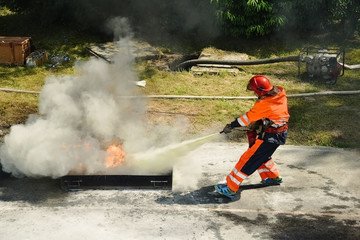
{"x": 272, "y": 181}
{"x": 225, "y": 191}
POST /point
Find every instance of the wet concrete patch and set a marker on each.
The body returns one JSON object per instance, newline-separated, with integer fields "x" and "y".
{"x": 296, "y": 226}
{"x": 315, "y": 227}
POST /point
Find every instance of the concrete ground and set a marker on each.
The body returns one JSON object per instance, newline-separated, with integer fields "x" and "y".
{"x": 319, "y": 199}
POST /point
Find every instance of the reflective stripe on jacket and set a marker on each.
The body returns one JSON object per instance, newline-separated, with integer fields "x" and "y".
{"x": 273, "y": 108}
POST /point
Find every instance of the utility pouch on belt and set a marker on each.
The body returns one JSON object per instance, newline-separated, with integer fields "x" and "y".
{"x": 254, "y": 126}
{"x": 266, "y": 123}
{"x": 251, "y": 135}
{"x": 252, "y": 132}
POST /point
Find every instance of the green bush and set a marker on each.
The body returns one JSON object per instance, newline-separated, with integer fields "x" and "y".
{"x": 248, "y": 18}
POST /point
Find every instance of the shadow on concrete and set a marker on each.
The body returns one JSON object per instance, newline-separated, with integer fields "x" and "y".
{"x": 31, "y": 190}
{"x": 205, "y": 195}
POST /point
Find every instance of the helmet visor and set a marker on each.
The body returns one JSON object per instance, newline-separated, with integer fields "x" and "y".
{"x": 249, "y": 87}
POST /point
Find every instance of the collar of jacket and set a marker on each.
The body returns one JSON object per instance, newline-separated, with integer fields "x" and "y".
{"x": 273, "y": 92}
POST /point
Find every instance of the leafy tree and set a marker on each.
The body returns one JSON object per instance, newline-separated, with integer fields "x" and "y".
{"x": 347, "y": 14}
{"x": 304, "y": 16}
{"x": 248, "y": 17}
{"x": 189, "y": 19}
{"x": 262, "y": 17}
{"x": 159, "y": 18}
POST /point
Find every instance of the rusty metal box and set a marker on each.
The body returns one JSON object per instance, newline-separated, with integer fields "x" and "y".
{"x": 14, "y": 50}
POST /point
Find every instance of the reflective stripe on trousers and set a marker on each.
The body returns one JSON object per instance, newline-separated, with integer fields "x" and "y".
{"x": 258, "y": 156}
{"x": 268, "y": 170}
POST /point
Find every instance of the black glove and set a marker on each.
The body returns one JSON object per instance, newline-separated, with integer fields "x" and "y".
{"x": 227, "y": 128}
{"x": 235, "y": 123}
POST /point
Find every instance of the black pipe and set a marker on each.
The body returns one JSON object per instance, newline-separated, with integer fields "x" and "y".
{"x": 187, "y": 64}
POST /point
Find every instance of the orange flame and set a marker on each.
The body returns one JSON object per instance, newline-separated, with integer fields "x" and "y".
{"x": 115, "y": 156}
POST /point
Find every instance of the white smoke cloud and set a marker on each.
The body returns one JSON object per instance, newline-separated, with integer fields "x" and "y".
{"x": 120, "y": 27}
{"x": 78, "y": 115}
{"x": 81, "y": 114}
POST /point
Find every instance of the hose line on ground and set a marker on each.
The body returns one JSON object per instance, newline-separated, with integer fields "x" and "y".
{"x": 187, "y": 64}
{"x": 351, "y": 92}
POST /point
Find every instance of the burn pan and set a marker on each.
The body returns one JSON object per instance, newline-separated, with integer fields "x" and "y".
{"x": 84, "y": 182}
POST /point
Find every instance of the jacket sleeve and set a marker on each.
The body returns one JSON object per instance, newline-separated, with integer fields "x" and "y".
{"x": 256, "y": 113}
{"x": 273, "y": 108}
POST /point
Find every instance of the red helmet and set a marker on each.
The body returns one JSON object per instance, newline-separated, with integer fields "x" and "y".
{"x": 260, "y": 85}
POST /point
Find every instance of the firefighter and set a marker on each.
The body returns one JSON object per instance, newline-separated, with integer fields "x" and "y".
{"x": 267, "y": 122}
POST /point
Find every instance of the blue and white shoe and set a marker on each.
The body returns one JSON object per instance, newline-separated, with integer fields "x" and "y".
{"x": 272, "y": 181}
{"x": 225, "y": 191}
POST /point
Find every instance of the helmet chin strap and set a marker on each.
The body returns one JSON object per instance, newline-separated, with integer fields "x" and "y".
{"x": 256, "y": 94}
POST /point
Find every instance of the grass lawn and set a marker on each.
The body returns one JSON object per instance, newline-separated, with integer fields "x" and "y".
{"x": 315, "y": 121}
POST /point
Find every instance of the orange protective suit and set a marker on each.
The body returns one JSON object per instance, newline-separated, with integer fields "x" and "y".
{"x": 273, "y": 110}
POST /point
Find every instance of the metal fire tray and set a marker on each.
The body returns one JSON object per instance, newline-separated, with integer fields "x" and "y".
{"x": 83, "y": 182}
